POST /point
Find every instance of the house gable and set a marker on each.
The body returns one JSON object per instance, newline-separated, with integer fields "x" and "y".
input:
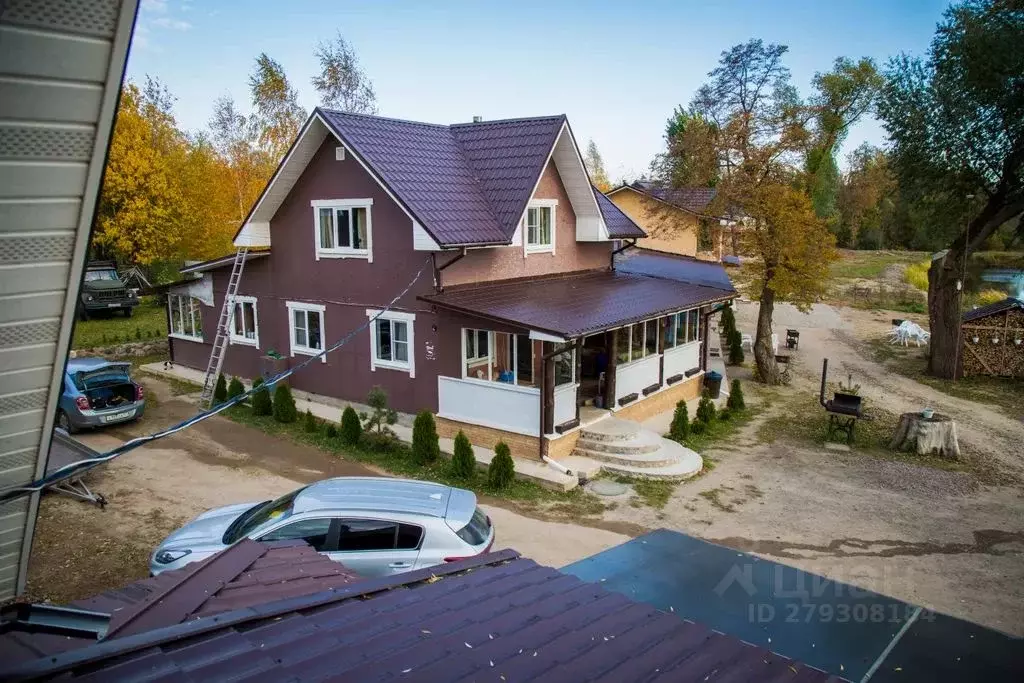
{"x": 668, "y": 228}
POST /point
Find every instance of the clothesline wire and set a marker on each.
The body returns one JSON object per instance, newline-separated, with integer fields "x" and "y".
{"x": 80, "y": 466}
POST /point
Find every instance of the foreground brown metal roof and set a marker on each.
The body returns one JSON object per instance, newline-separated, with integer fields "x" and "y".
{"x": 490, "y": 618}
{"x": 578, "y": 304}
{"x": 246, "y": 574}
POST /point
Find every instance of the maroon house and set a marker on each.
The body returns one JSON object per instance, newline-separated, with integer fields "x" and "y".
{"x": 525, "y": 299}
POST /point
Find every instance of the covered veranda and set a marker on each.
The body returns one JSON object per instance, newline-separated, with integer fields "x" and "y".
{"x": 535, "y": 351}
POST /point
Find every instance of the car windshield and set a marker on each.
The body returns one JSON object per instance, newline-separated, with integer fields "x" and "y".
{"x": 260, "y": 514}
{"x": 93, "y": 275}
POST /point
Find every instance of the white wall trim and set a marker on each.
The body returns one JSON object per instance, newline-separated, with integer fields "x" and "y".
{"x": 340, "y": 203}
{"x": 375, "y": 314}
{"x": 309, "y": 308}
{"x": 544, "y": 336}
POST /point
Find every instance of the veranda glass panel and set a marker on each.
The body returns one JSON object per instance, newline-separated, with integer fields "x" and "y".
{"x": 504, "y": 358}
{"x": 344, "y": 229}
{"x": 524, "y": 360}
{"x": 670, "y": 331}
{"x": 359, "y": 228}
{"x": 197, "y": 317}
{"x": 680, "y": 323}
{"x": 694, "y": 327}
{"x": 622, "y": 345}
{"x": 175, "y": 303}
{"x": 651, "y": 347}
{"x": 637, "y": 341}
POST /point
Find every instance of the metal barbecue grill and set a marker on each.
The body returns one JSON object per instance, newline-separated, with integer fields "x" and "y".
{"x": 843, "y": 409}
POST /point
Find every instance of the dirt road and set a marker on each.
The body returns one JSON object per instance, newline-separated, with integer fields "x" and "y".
{"x": 941, "y": 539}
{"x": 80, "y": 550}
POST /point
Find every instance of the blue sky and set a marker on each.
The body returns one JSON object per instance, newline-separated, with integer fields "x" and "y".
{"x": 616, "y": 69}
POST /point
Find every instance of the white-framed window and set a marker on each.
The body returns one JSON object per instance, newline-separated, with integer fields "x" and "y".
{"x": 638, "y": 341}
{"x": 539, "y": 226}
{"x": 306, "y": 328}
{"x": 186, "y": 318}
{"x": 343, "y": 228}
{"x": 682, "y": 328}
{"x": 243, "y": 327}
{"x": 392, "y": 343}
{"x": 502, "y": 357}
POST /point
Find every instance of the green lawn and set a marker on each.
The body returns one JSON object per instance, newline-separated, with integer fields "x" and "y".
{"x": 870, "y": 264}
{"x": 148, "y": 321}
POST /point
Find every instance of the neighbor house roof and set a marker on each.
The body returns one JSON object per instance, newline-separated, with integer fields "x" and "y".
{"x": 579, "y": 304}
{"x": 1007, "y": 304}
{"x": 245, "y": 575}
{"x": 492, "y": 617}
{"x": 695, "y": 200}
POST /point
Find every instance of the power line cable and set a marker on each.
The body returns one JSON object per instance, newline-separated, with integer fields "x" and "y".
{"x": 80, "y": 466}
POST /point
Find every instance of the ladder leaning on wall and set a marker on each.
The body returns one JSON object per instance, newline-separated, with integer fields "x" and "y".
{"x": 220, "y": 340}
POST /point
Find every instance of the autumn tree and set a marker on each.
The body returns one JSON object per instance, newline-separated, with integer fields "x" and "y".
{"x": 342, "y": 83}
{"x": 236, "y": 142}
{"x": 277, "y": 116}
{"x": 956, "y": 124}
{"x": 595, "y": 167}
{"x": 841, "y": 97}
{"x": 761, "y": 131}
{"x": 691, "y": 158}
{"x": 866, "y": 200}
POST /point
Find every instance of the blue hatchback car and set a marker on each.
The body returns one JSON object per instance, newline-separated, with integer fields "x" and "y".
{"x": 98, "y": 392}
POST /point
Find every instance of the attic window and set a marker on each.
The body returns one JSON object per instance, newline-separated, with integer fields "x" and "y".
{"x": 539, "y": 226}
{"x": 342, "y": 228}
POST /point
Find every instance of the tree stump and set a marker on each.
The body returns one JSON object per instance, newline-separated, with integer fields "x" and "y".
{"x": 926, "y": 436}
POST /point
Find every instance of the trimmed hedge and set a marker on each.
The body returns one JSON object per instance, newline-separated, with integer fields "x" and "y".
{"x": 220, "y": 390}
{"x": 284, "y": 404}
{"x": 425, "y": 446}
{"x": 680, "y": 428}
{"x": 261, "y": 403}
{"x": 351, "y": 428}
{"x": 735, "y": 401}
{"x": 502, "y": 469}
{"x": 235, "y": 388}
{"x": 463, "y": 460}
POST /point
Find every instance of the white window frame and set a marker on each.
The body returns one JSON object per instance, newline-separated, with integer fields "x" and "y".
{"x": 179, "y": 300}
{"x": 489, "y": 358}
{"x": 307, "y": 308}
{"x": 528, "y": 248}
{"x": 342, "y": 252}
{"x": 241, "y": 339}
{"x": 375, "y": 314}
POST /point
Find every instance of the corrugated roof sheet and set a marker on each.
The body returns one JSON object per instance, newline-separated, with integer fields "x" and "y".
{"x": 466, "y": 183}
{"x": 620, "y": 226}
{"x": 579, "y": 304}
{"x": 244, "y": 575}
{"x": 1006, "y": 304}
{"x": 492, "y": 618}
{"x": 674, "y": 267}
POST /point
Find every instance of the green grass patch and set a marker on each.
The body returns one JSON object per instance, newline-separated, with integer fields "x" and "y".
{"x": 719, "y": 431}
{"x": 870, "y": 264}
{"x": 801, "y": 420}
{"x": 398, "y": 460}
{"x": 148, "y": 323}
{"x": 916, "y": 275}
{"x": 714, "y": 496}
{"x": 652, "y": 492}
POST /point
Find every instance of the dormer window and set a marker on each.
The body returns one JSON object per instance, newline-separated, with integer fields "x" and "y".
{"x": 343, "y": 228}
{"x": 539, "y": 226}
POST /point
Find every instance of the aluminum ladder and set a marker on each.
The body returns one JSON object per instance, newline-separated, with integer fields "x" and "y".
{"x": 220, "y": 341}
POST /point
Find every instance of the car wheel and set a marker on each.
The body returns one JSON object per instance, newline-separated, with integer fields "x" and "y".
{"x": 128, "y": 312}
{"x": 82, "y": 313}
{"x": 64, "y": 422}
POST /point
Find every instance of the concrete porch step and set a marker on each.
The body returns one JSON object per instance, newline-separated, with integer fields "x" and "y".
{"x": 643, "y": 441}
{"x": 665, "y": 454}
{"x": 688, "y": 465}
{"x": 611, "y": 430}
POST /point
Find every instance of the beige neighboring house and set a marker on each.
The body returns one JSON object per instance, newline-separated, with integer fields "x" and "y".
{"x": 671, "y": 217}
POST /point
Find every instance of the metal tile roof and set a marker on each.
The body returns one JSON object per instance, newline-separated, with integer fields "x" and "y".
{"x": 491, "y": 618}
{"x": 466, "y": 183}
{"x": 674, "y": 267}
{"x": 579, "y": 304}
{"x": 620, "y": 226}
{"x": 246, "y": 574}
{"x": 1007, "y": 304}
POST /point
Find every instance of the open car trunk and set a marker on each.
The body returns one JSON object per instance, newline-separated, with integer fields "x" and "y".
{"x": 107, "y": 388}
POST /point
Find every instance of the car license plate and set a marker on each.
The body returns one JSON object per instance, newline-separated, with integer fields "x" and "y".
{"x": 113, "y": 305}
{"x": 119, "y": 416}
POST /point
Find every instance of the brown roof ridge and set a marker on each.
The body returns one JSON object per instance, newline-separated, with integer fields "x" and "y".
{"x": 487, "y": 284}
{"x": 128, "y": 644}
{"x": 521, "y": 119}
{"x": 192, "y": 588}
{"x": 382, "y": 118}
